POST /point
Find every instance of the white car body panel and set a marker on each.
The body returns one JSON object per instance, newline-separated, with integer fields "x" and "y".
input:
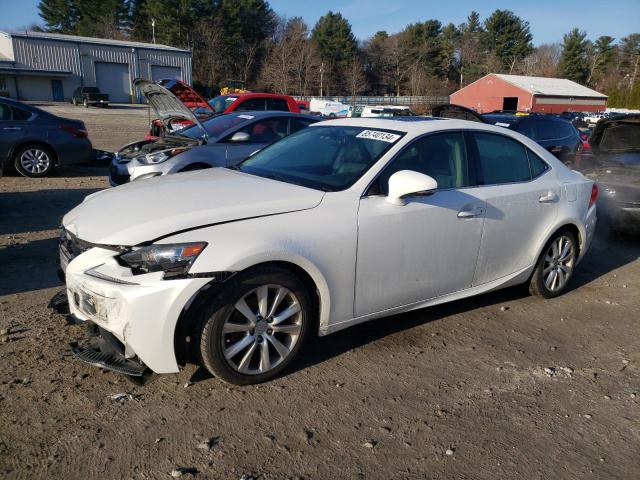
{"x": 365, "y": 261}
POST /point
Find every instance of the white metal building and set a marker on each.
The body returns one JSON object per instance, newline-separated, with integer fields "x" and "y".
{"x": 49, "y": 67}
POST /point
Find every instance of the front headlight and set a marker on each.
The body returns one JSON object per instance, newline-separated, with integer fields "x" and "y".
{"x": 160, "y": 156}
{"x": 155, "y": 157}
{"x": 174, "y": 259}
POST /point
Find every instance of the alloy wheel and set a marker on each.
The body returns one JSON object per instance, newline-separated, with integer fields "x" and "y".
{"x": 558, "y": 263}
{"x": 262, "y": 329}
{"x": 35, "y": 161}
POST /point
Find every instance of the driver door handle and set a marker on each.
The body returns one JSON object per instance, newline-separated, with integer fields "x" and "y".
{"x": 548, "y": 197}
{"x": 471, "y": 213}
{"x": 13, "y": 129}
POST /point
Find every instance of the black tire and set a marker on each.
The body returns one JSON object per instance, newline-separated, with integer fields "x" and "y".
{"x": 24, "y": 170}
{"x": 537, "y": 284}
{"x": 208, "y": 337}
{"x": 74, "y": 102}
{"x": 86, "y": 103}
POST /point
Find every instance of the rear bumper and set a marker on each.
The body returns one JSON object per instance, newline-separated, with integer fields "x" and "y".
{"x": 77, "y": 151}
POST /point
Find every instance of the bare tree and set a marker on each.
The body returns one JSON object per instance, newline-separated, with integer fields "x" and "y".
{"x": 355, "y": 77}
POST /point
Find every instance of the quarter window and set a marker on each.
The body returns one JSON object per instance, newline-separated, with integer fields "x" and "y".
{"x": 442, "y": 156}
{"x": 251, "y": 104}
{"x": 277, "y": 104}
{"x": 538, "y": 167}
{"x": 501, "y": 159}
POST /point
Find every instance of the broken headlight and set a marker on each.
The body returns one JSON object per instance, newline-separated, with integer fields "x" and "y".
{"x": 174, "y": 259}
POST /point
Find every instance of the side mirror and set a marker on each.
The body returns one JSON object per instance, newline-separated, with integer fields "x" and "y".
{"x": 408, "y": 182}
{"x": 240, "y": 137}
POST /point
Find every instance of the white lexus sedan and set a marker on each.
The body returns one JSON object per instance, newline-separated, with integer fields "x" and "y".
{"x": 343, "y": 222}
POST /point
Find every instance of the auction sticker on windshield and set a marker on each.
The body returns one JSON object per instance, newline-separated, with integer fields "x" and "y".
{"x": 378, "y": 135}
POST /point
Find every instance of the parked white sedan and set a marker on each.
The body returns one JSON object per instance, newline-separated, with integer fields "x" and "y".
{"x": 343, "y": 222}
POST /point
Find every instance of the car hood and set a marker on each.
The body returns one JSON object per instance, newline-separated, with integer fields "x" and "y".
{"x": 166, "y": 105}
{"x": 617, "y": 134}
{"x": 186, "y": 94}
{"x": 146, "y": 210}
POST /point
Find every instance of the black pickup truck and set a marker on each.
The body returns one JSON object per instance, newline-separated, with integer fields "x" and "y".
{"x": 90, "y": 96}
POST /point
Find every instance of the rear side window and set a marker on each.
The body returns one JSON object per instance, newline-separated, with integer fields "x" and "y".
{"x": 19, "y": 114}
{"x": 501, "y": 159}
{"x": 277, "y": 104}
{"x": 547, "y": 130}
{"x": 526, "y": 128}
{"x": 298, "y": 124}
{"x": 538, "y": 167}
{"x": 251, "y": 104}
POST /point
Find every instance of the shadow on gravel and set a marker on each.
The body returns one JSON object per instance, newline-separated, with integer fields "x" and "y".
{"x": 29, "y": 266}
{"x": 38, "y": 210}
{"x": 608, "y": 252}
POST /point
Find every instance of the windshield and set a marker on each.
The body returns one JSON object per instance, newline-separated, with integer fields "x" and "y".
{"x": 216, "y": 126}
{"x": 221, "y": 102}
{"x": 328, "y": 158}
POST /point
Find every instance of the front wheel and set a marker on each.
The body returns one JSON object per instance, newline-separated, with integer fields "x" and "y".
{"x": 256, "y": 326}
{"x": 555, "y": 266}
{"x": 86, "y": 103}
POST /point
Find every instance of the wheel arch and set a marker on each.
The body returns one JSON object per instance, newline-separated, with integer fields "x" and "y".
{"x": 26, "y": 142}
{"x": 570, "y": 225}
{"x": 311, "y": 278}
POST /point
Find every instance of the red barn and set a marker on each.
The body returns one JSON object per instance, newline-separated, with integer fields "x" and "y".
{"x": 531, "y": 94}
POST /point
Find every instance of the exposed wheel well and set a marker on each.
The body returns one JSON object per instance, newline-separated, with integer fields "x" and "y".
{"x": 190, "y": 315}
{"x": 27, "y": 143}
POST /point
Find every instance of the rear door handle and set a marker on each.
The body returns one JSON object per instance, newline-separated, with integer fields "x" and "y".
{"x": 549, "y": 197}
{"x": 471, "y": 213}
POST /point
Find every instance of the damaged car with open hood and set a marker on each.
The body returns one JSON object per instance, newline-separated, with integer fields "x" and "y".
{"x": 342, "y": 222}
{"x": 219, "y": 141}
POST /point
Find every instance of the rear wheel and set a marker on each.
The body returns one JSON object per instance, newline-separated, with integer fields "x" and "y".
{"x": 256, "y": 327}
{"x": 555, "y": 266}
{"x": 33, "y": 161}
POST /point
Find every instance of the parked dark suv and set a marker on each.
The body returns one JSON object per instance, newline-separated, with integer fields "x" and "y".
{"x": 553, "y": 132}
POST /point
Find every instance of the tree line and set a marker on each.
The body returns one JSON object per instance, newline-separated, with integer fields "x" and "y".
{"x": 245, "y": 43}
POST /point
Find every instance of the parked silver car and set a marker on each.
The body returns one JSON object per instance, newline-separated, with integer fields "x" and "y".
{"x": 220, "y": 141}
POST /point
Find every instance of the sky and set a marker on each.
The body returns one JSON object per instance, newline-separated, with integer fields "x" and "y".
{"x": 548, "y": 19}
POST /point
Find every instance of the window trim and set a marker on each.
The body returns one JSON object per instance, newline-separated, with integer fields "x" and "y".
{"x": 527, "y": 150}
{"x": 470, "y": 162}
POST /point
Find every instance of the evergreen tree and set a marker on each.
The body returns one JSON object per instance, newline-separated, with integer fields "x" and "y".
{"x": 508, "y": 37}
{"x": 337, "y": 47}
{"x": 602, "y": 56}
{"x": 573, "y": 61}
{"x": 60, "y": 16}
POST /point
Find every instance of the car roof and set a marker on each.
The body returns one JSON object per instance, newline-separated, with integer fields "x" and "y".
{"x": 411, "y": 124}
{"x": 269, "y": 113}
{"x": 258, "y": 95}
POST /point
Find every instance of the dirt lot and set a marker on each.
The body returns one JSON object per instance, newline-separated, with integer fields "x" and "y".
{"x": 457, "y": 391}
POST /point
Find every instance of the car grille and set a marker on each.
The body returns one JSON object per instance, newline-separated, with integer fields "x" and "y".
{"x": 117, "y": 178}
{"x": 71, "y": 246}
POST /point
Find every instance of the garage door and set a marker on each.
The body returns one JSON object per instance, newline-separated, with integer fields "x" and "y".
{"x": 113, "y": 79}
{"x": 160, "y": 72}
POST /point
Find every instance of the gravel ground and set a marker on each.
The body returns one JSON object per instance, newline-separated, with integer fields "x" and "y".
{"x": 503, "y": 385}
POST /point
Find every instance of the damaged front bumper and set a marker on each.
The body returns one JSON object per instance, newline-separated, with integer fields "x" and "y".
{"x": 140, "y": 311}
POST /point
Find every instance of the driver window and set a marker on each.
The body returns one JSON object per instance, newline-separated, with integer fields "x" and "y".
{"x": 442, "y": 156}
{"x": 265, "y": 131}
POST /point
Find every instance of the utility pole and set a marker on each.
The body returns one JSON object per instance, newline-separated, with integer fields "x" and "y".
{"x": 321, "y": 76}
{"x": 461, "y": 67}
{"x": 153, "y": 29}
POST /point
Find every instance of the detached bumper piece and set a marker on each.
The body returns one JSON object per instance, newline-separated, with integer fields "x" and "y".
{"x": 59, "y": 303}
{"x": 109, "y": 361}
{"x": 102, "y": 349}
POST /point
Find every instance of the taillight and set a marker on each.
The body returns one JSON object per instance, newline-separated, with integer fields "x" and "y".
{"x": 594, "y": 195}
{"x": 74, "y": 130}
